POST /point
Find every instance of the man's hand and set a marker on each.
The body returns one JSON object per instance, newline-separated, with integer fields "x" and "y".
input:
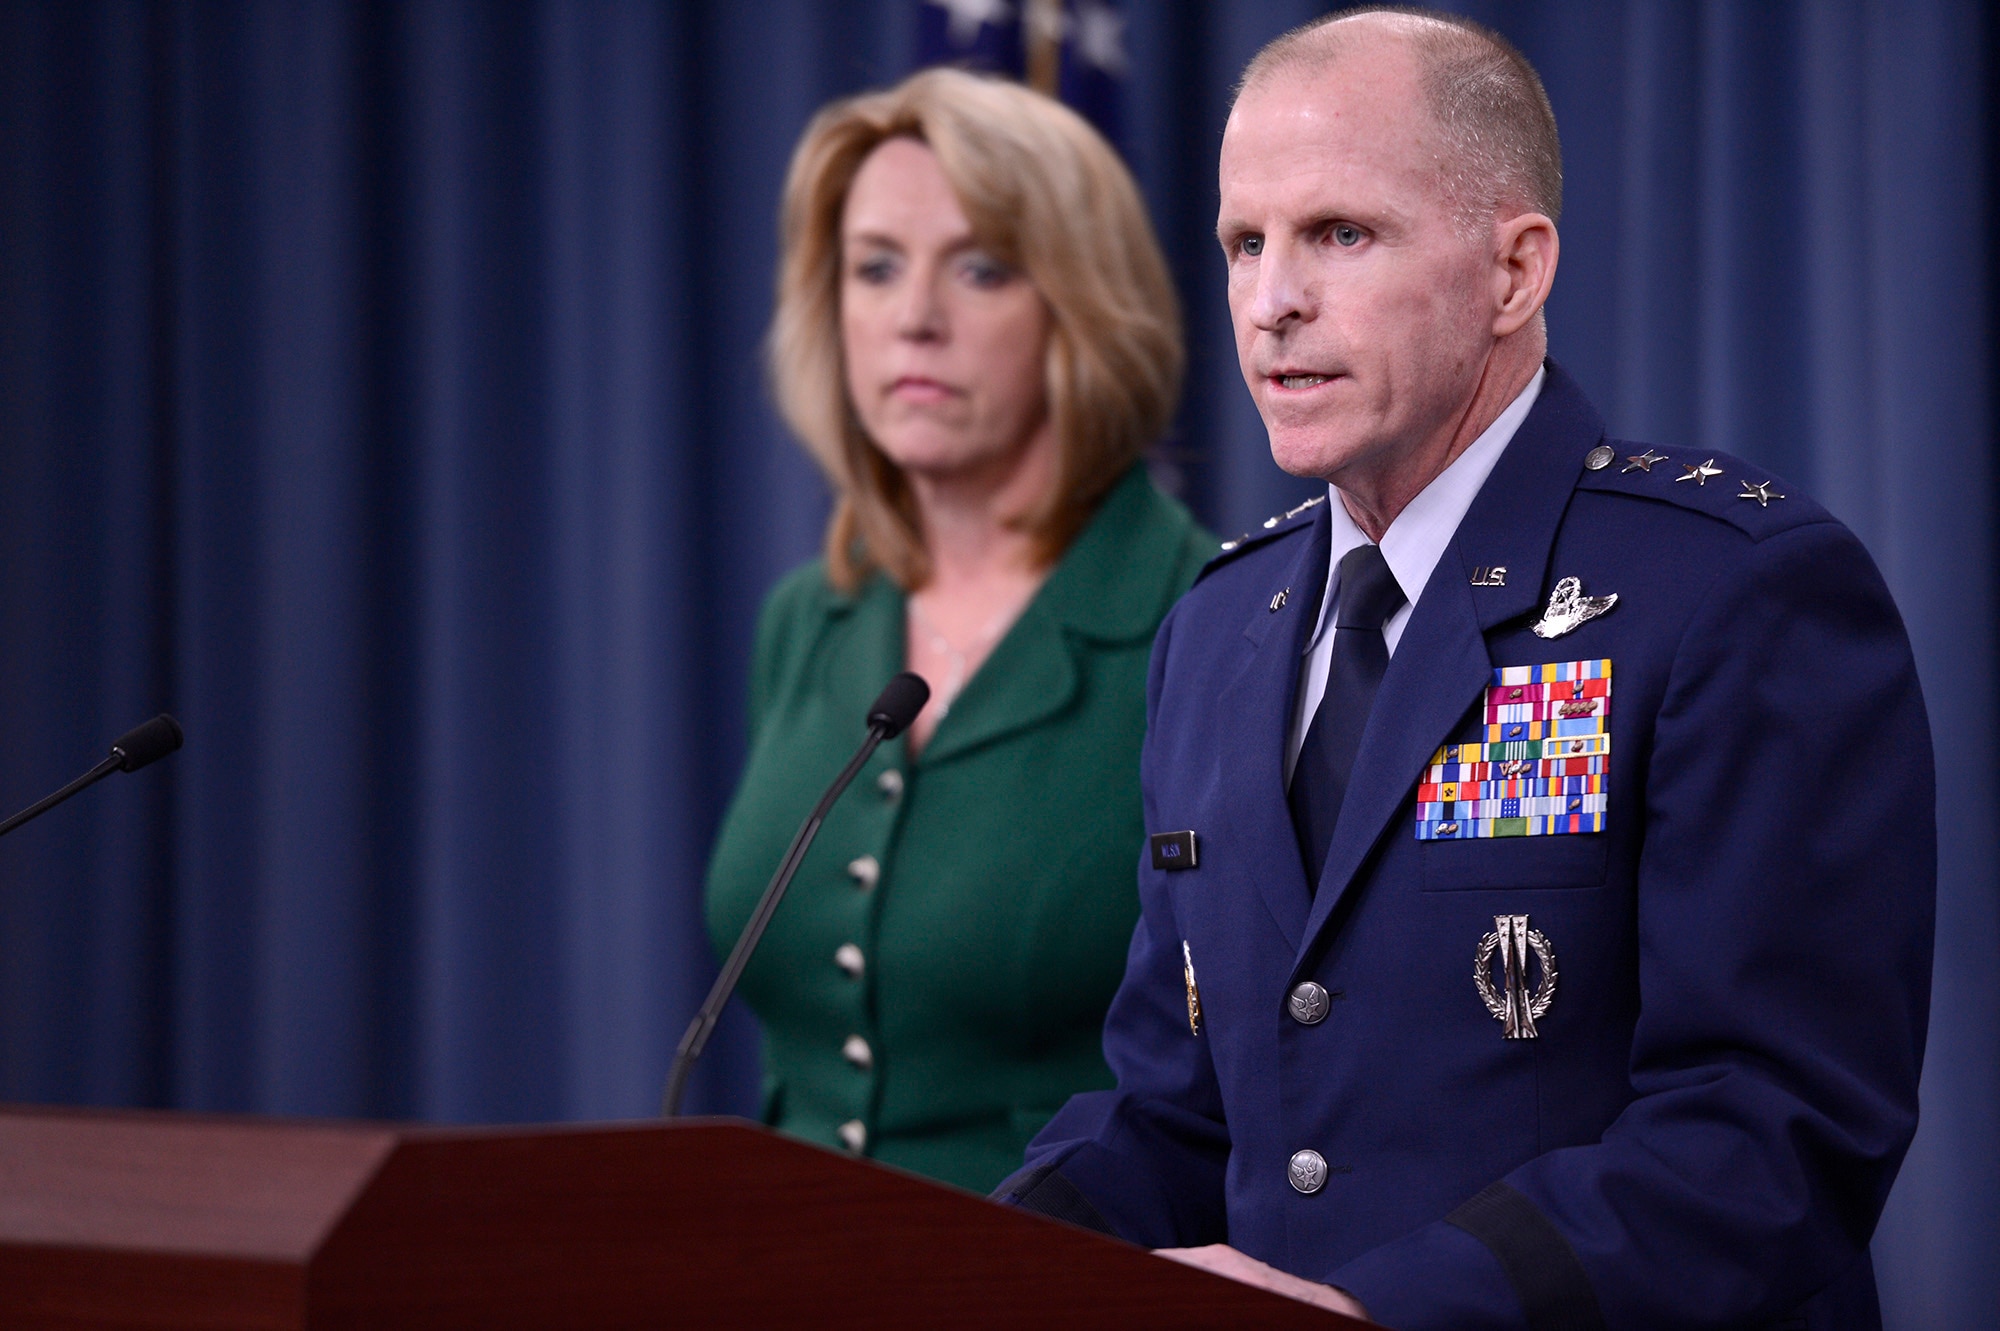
{"x": 1226, "y": 1261}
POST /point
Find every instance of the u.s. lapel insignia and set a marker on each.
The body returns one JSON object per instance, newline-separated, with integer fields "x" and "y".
{"x": 1194, "y": 994}
{"x": 1513, "y": 1004}
{"x": 1569, "y": 607}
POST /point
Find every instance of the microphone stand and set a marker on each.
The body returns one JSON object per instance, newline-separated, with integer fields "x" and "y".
{"x": 47, "y": 802}
{"x": 896, "y": 708}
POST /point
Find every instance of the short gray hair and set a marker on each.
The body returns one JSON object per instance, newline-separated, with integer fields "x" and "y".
{"x": 1483, "y": 93}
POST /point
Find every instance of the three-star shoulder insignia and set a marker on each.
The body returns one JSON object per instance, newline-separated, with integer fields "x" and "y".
{"x": 1271, "y": 524}
{"x": 1291, "y": 513}
{"x": 1641, "y": 475}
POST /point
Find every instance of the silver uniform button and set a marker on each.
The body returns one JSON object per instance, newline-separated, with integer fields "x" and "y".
{"x": 857, "y": 1052}
{"x": 1308, "y": 1003}
{"x": 1307, "y": 1172}
{"x": 853, "y": 1135}
{"x": 848, "y": 957}
{"x": 890, "y": 783}
{"x": 1597, "y": 459}
{"x": 865, "y": 871}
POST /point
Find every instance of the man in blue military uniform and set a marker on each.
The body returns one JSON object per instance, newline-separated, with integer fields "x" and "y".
{"x": 1603, "y": 1001}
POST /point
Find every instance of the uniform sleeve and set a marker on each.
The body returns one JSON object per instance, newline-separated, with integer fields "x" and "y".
{"x": 1144, "y": 1161}
{"x": 1785, "y": 902}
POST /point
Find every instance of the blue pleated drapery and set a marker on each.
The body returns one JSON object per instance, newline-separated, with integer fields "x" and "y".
{"x": 379, "y": 392}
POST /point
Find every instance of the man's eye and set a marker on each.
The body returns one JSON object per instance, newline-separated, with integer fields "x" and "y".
{"x": 1345, "y": 235}
{"x": 1252, "y": 245}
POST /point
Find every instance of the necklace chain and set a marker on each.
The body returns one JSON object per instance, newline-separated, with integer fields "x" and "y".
{"x": 957, "y": 657}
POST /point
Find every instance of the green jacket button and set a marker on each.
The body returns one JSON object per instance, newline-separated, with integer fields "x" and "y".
{"x": 857, "y": 1052}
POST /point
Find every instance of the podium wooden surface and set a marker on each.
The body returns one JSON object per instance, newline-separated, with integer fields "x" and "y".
{"x": 154, "y": 1220}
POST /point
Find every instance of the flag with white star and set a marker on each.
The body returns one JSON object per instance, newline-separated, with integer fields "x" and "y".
{"x": 1071, "y": 49}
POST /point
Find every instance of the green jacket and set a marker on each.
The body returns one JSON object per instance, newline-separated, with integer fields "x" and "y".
{"x": 933, "y": 987}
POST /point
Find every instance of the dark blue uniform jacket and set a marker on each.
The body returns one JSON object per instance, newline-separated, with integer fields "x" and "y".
{"x": 1724, "y": 1082}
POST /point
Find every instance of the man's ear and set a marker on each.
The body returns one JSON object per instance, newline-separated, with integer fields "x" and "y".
{"x": 1524, "y": 268}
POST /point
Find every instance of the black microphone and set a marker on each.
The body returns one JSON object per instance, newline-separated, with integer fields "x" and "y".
{"x": 135, "y": 748}
{"x": 147, "y": 743}
{"x": 894, "y": 709}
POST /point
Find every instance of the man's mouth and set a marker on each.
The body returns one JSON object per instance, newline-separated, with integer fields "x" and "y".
{"x": 1295, "y": 381}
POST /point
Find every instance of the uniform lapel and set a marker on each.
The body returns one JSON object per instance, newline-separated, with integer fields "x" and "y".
{"x": 1257, "y": 705}
{"x": 1441, "y": 664}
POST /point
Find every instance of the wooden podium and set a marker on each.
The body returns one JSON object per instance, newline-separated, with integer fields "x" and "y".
{"x": 114, "y": 1219}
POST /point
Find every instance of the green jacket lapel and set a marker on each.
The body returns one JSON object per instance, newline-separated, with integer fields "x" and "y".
{"x": 1110, "y": 587}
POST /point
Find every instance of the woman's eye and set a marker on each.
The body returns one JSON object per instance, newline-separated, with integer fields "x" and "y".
{"x": 1344, "y": 234}
{"x": 1252, "y": 246}
{"x": 875, "y": 270}
{"x": 982, "y": 271}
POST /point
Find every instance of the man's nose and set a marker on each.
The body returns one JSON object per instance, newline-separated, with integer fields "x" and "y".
{"x": 1282, "y": 295}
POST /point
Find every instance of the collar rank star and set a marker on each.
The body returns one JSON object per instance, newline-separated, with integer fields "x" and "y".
{"x": 1761, "y": 492}
{"x": 1513, "y": 1004}
{"x": 1698, "y": 472}
{"x": 1194, "y": 994}
{"x": 1569, "y": 607}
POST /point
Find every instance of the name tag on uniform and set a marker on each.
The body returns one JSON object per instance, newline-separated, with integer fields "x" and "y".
{"x": 1541, "y": 763}
{"x": 1173, "y": 850}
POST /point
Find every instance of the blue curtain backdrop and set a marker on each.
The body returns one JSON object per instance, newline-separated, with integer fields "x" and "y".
{"x": 379, "y": 392}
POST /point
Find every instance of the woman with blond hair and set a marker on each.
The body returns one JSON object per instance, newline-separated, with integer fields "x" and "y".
{"x": 975, "y": 338}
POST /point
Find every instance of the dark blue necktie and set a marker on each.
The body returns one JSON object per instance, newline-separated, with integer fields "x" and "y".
{"x": 1368, "y": 596}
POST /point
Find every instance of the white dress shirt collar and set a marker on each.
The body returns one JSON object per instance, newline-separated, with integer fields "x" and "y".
{"x": 1412, "y": 546}
{"x": 1416, "y": 539}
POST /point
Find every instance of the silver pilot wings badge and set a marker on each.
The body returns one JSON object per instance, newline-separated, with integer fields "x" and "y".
{"x": 1569, "y": 607}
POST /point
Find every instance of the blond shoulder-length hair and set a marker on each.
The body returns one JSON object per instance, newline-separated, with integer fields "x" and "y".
{"x": 1043, "y": 193}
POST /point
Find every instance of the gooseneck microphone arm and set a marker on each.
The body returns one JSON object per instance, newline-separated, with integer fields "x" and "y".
{"x": 892, "y": 713}
{"x": 137, "y": 747}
